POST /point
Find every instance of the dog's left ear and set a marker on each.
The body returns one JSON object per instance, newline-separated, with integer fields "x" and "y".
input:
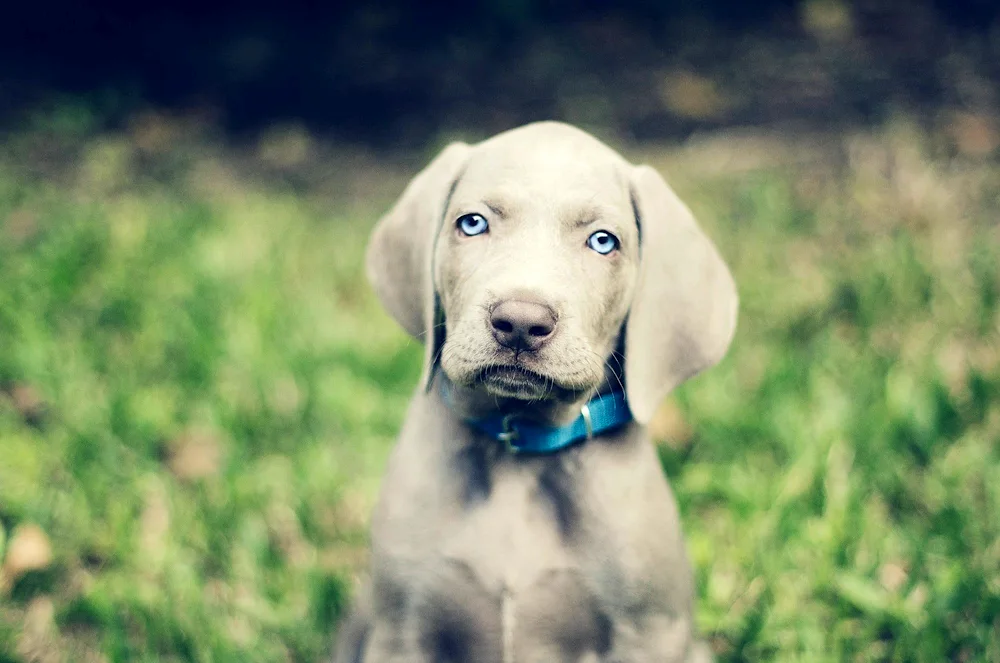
{"x": 683, "y": 314}
{"x": 400, "y": 251}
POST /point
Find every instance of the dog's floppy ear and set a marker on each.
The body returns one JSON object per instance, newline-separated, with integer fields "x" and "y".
{"x": 683, "y": 314}
{"x": 400, "y": 251}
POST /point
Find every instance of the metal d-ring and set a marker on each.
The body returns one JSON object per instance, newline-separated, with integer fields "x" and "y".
{"x": 585, "y": 413}
{"x": 509, "y": 433}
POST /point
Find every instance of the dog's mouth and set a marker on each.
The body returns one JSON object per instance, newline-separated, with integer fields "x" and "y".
{"x": 517, "y": 382}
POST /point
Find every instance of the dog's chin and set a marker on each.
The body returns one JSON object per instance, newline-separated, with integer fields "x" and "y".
{"x": 518, "y": 383}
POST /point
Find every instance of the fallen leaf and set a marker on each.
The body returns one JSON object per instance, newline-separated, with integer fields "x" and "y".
{"x": 892, "y": 576}
{"x": 196, "y": 454}
{"x": 28, "y": 402}
{"x": 29, "y": 550}
{"x": 669, "y": 427}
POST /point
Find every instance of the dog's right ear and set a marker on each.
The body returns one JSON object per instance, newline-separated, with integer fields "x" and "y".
{"x": 398, "y": 262}
{"x": 683, "y": 313}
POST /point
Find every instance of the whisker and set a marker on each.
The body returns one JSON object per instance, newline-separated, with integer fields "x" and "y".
{"x": 618, "y": 360}
{"x": 615, "y": 373}
{"x": 437, "y": 355}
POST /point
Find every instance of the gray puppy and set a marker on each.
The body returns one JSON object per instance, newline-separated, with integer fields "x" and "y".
{"x": 524, "y": 516}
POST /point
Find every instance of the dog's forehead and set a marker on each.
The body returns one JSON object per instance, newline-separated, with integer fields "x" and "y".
{"x": 546, "y": 163}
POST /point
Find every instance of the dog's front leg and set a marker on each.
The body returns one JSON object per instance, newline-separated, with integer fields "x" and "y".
{"x": 395, "y": 644}
{"x": 657, "y": 638}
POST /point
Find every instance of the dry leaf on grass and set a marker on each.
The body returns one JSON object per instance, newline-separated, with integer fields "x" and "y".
{"x": 196, "y": 454}
{"x": 29, "y": 550}
{"x": 669, "y": 427}
{"x": 27, "y": 400}
{"x": 892, "y": 576}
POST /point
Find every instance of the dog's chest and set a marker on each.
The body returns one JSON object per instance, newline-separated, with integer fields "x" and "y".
{"x": 516, "y": 547}
{"x": 517, "y": 532}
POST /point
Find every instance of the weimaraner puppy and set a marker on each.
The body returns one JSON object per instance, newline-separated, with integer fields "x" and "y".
{"x": 524, "y": 516}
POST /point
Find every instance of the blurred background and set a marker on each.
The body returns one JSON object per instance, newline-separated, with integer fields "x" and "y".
{"x": 198, "y": 390}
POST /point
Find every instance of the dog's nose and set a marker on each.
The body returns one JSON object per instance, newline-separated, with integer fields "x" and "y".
{"x": 521, "y": 325}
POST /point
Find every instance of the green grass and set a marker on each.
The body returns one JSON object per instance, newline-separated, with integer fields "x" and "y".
{"x": 198, "y": 392}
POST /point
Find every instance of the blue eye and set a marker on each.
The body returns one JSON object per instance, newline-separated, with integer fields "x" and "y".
{"x": 472, "y": 224}
{"x": 603, "y": 242}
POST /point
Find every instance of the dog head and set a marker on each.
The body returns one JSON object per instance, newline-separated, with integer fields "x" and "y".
{"x": 527, "y": 260}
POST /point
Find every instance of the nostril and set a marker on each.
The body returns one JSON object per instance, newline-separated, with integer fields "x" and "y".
{"x": 522, "y": 325}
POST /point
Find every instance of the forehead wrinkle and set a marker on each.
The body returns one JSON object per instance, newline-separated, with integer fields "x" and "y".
{"x": 469, "y": 202}
{"x": 496, "y": 207}
{"x": 501, "y": 197}
{"x": 580, "y": 215}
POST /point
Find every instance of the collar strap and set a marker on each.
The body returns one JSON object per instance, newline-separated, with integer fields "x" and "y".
{"x": 600, "y": 414}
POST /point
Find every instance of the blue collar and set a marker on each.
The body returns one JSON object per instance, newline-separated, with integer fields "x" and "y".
{"x": 600, "y": 414}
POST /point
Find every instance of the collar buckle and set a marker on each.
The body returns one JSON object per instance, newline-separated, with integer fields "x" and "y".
{"x": 509, "y": 434}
